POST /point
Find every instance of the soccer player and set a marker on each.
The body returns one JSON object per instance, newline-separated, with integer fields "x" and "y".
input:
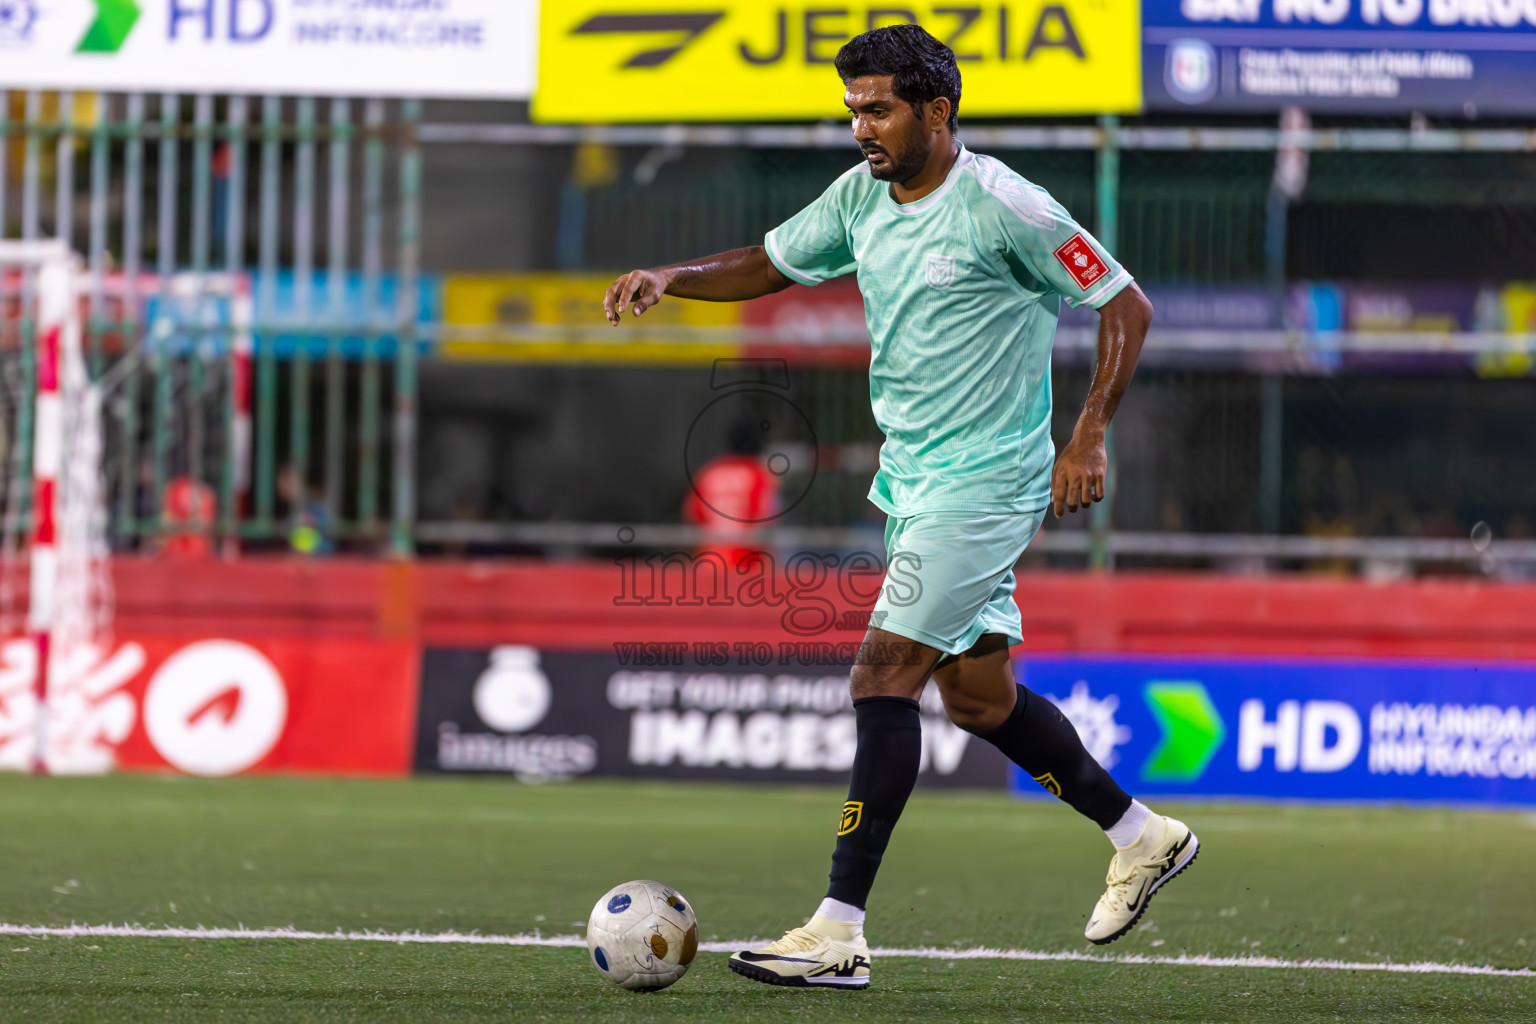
{"x": 962, "y": 264}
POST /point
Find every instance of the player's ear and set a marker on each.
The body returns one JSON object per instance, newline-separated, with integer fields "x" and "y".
{"x": 938, "y": 113}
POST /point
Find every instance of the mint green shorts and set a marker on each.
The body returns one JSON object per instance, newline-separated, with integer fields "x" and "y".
{"x": 949, "y": 577}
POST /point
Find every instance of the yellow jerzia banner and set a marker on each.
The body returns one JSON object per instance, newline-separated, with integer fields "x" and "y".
{"x": 559, "y": 318}
{"x": 746, "y": 60}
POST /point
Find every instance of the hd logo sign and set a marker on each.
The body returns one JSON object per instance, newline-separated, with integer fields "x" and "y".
{"x": 1300, "y": 729}
{"x": 744, "y": 60}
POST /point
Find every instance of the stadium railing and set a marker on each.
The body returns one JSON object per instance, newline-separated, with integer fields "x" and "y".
{"x": 281, "y": 187}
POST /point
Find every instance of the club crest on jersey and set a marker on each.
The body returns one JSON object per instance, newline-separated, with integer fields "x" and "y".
{"x": 939, "y": 271}
{"x": 853, "y": 810}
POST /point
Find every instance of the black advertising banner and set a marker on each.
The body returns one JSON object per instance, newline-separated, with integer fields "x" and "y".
{"x": 655, "y": 710}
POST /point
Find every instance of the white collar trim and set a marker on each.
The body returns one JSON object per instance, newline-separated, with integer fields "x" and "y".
{"x": 931, "y": 199}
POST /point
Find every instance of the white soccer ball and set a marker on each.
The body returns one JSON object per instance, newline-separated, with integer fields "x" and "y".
{"x": 642, "y": 935}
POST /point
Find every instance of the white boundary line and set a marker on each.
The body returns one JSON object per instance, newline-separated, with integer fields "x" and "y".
{"x": 127, "y": 931}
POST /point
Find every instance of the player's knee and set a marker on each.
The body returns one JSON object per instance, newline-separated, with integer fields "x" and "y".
{"x": 880, "y": 680}
{"x": 861, "y": 681}
{"x": 974, "y": 714}
{"x": 871, "y": 681}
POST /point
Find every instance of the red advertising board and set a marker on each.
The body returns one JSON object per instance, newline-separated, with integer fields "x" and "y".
{"x": 822, "y": 325}
{"x": 585, "y": 606}
{"x": 215, "y": 706}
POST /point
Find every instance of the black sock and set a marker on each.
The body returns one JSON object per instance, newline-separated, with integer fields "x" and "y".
{"x": 1038, "y": 738}
{"x": 884, "y": 772}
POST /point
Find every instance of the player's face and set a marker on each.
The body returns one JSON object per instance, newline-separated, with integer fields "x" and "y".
{"x": 886, "y": 129}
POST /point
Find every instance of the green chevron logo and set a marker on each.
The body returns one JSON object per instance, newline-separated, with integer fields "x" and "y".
{"x": 114, "y": 20}
{"x": 1192, "y": 731}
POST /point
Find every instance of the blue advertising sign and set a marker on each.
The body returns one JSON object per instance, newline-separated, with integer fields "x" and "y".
{"x": 361, "y": 322}
{"x": 1463, "y": 57}
{"x": 361, "y": 319}
{"x": 1367, "y": 730}
{"x": 1226, "y": 307}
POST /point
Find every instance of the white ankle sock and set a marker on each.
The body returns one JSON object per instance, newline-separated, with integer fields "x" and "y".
{"x": 837, "y": 910}
{"x": 1128, "y": 829}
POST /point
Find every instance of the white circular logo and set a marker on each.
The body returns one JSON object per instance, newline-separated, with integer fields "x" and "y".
{"x": 512, "y": 694}
{"x": 215, "y": 708}
{"x": 1190, "y": 73}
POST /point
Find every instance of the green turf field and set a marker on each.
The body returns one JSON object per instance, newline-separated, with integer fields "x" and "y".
{"x": 501, "y": 858}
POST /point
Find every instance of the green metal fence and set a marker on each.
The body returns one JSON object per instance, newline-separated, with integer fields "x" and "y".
{"x": 305, "y": 211}
{"x": 298, "y": 418}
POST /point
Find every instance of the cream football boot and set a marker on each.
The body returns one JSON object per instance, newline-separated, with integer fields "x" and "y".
{"x": 1165, "y": 847}
{"x": 822, "y": 954}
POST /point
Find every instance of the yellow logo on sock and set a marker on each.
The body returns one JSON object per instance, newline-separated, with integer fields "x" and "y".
{"x": 853, "y": 811}
{"x": 1049, "y": 782}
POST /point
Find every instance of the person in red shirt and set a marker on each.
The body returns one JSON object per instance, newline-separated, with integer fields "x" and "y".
{"x": 186, "y": 518}
{"x": 732, "y": 496}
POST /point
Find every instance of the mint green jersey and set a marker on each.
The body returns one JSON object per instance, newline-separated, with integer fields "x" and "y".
{"x": 961, "y": 290}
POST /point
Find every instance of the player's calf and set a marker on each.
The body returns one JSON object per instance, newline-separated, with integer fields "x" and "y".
{"x": 1037, "y": 737}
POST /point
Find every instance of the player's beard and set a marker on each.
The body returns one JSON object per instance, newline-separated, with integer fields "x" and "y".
{"x": 904, "y": 159}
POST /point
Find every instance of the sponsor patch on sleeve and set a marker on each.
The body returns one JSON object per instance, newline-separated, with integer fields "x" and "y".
{"x": 1081, "y": 261}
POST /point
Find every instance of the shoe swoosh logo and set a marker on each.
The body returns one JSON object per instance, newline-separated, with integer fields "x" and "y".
{"x": 1133, "y": 904}
{"x": 751, "y": 957}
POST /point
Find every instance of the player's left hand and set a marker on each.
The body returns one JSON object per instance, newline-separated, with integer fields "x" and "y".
{"x": 1078, "y": 477}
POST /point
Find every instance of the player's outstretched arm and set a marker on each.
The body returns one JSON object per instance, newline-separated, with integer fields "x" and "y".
{"x": 1078, "y": 477}
{"x": 724, "y": 277}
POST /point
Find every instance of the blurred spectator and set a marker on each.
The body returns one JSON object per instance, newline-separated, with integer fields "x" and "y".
{"x": 732, "y": 496}
{"x": 186, "y": 518}
{"x": 1388, "y": 514}
{"x": 311, "y": 530}
{"x": 469, "y": 511}
{"x": 1328, "y": 495}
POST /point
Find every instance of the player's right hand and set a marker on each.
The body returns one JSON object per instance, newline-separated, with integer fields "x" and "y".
{"x": 1079, "y": 475}
{"x": 643, "y": 288}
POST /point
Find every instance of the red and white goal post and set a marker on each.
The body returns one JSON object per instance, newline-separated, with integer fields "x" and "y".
{"x": 63, "y": 708}
{"x": 60, "y": 550}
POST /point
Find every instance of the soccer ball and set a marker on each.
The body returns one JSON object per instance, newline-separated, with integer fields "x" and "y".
{"x": 642, "y": 935}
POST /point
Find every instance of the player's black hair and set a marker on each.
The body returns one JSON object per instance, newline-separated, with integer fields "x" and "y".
{"x": 922, "y": 68}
